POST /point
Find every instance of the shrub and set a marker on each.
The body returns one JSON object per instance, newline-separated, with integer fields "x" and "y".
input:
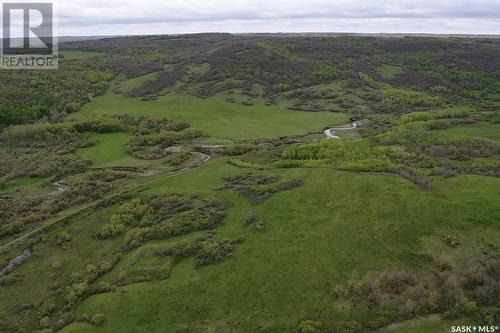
{"x": 133, "y": 213}
{"x": 210, "y": 252}
{"x": 98, "y": 319}
{"x": 43, "y": 135}
{"x": 206, "y": 250}
{"x": 72, "y": 108}
{"x": 77, "y": 292}
{"x": 45, "y": 322}
{"x": 250, "y": 218}
{"x": 110, "y": 230}
{"x": 464, "y": 308}
{"x": 101, "y": 288}
{"x": 396, "y": 282}
{"x": 100, "y": 125}
{"x": 260, "y": 187}
{"x": 180, "y": 158}
{"x": 238, "y": 149}
{"x": 310, "y": 326}
{"x": 62, "y": 238}
{"x": 204, "y": 218}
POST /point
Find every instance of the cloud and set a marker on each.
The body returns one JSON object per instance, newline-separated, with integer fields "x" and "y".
{"x": 177, "y": 16}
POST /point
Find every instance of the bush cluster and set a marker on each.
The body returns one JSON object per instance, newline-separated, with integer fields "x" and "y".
{"x": 395, "y": 296}
{"x": 206, "y": 250}
{"x": 259, "y": 187}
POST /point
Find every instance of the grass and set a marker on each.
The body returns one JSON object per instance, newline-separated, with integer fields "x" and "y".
{"x": 71, "y": 55}
{"x": 110, "y": 150}
{"x": 216, "y": 117}
{"x": 367, "y": 222}
{"x": 389, "y": 71}
{"x": 337, "y": 85}
{"x": 199, "y": 69}
{"x": 21, "y": 182}
{"x": 480, "y": 130}
{"x": 129, "y": 85}
{"x": 363, "y": 222}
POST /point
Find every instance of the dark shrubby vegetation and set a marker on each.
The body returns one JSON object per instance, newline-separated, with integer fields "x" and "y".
{"x": 259, "y": 188}
{"x": 205, "y": 250}
{"x": 236, "y": 150}
{"x": 205, "y": 218}
{"x": 393, "y": 296}
{"x": 18, "y": 216}
{"x": 152, "y": 146}
{"x": 165, "y": 79}
{"x": 48, "y": 136}
{"x": 96, "y": 319}
{"x": 100, "y": 125}
{"x": 253, "y": 219}
{"x": 82, "y": 286}
{"x": 399, "y": 295}
{"x": 41, "y": 150}
{"x": 29, "y": 95}
{"x": 39, "y": 163}
{"x": 46, "y": 149}
{"x": 162, "y": 218}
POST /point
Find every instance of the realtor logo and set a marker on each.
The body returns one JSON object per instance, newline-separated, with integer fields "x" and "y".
{"x": 28, "y": 40}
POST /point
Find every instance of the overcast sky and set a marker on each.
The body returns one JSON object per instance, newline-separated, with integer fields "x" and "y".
{"x": 112, "y": 17}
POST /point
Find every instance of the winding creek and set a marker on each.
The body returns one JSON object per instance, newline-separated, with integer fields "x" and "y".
{"x": 331, "y": 132}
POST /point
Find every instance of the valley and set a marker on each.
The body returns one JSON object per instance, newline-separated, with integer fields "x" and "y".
{"x": 252, "y": 183}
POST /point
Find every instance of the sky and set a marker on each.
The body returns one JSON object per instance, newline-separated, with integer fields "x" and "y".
{"x": 133, "y": 17}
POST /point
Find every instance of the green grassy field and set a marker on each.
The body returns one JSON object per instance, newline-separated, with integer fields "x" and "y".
{"x": 361, "y": 224}
{"x": 201, "y": 69}
{"x": 216, "y": 117}
{"x": 480, "y": 130}
{"x": 21, "y": 182}
{"x": 389, "y": 71}
{"x": 129, "y": 85}
{"x": 110, "y": 150}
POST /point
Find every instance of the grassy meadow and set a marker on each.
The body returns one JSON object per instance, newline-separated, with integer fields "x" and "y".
{"x": 481, "y": 130}
{"x": 216, "y": 117}
{"x": 362, "y": 225}
{"x": 110, "y": 150}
